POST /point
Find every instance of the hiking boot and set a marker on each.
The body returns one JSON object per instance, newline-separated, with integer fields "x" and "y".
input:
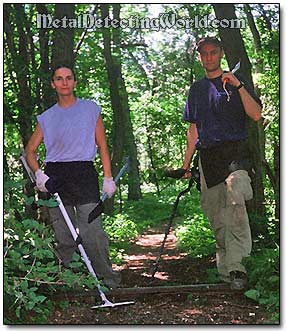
{"x": 224, "y": 279}
{"x": 238, "y": 280}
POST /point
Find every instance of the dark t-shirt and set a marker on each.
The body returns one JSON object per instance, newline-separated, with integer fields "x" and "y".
{"x": 217, "y": 119}
{"x": 221, "y": 126}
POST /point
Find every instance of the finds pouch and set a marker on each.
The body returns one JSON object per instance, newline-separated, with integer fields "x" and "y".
{"x": 221, "y": 160}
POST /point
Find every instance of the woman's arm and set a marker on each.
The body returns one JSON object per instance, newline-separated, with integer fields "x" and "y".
{"x": 32, "y": 146}
{"x": 101, "y": 142}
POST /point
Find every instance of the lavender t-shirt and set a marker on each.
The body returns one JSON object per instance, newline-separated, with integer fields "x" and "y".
{"x": 69, "y": 133}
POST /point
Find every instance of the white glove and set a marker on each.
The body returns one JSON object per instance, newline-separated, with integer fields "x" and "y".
{"x": 109, "y": 186}
{"x": 41, "y": 180}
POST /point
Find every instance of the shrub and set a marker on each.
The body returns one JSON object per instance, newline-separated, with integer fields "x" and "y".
{"x": 196, "y": 237}
{"x": 263, "y": 274}
{"x": 119, "y": 228}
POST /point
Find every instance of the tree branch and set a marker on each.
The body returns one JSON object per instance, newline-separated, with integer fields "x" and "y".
{"x": 269, "y": 173}
{"x": 128, "y": 45}
{"x": 83, "y": 35}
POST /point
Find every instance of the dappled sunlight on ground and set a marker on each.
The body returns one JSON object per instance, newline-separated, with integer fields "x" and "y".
{"x": 175, "y": 269}
{"x": 151, "y": 244}
{"x": 155, "y": 241}
{"x": 139, "y": 257}
{"x": 158, "y": 275}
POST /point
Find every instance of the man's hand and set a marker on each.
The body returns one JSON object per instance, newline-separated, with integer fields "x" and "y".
{"x": 41, "y": 180}
{"x": 187, "y": 174}
{"x": 229, "y": 77}
{"x": 109, "y": 186}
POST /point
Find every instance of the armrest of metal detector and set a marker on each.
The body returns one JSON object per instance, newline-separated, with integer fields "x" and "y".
{"x": 175, "y": 173}
{"x": 96, "y": 212}
{"x": 179, "y": 173}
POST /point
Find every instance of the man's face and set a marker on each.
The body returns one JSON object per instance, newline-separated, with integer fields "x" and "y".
{"x": 210, "y": 56}
{"x": 64, "y": 82}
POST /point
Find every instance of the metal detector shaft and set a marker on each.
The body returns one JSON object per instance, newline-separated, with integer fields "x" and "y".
{"x": 167, "y": 230}
{"x": 76, "y": 238}
{"x": 30, "y": 173}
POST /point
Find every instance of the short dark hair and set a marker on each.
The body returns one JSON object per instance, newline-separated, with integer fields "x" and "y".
{"x": 208, "y": 40}
{"x": 62, "y": 65}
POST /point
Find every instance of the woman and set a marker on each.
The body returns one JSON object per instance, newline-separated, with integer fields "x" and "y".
{"x": 73, "y": 131}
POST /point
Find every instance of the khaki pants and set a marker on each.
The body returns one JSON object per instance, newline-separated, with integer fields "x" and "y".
{"x": 224, "y": 205}
{"x": 94, "y": 240}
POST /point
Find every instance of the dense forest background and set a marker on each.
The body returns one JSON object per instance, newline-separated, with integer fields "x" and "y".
{"x": 140, "y": 77}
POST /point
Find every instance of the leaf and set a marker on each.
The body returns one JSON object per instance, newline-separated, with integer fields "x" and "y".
{"x": 49, "y": 203}
{"x": 274, "y": 279}
{"x": 29, "y": 200}
{"x": 252, "y": 294}
{"x": 32, "y": 224}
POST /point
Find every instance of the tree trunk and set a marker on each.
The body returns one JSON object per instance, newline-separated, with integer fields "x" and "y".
{"x": 123, "y": 138}
{"x": 63, "y": 38}
{"x": 265, "y": 17}
{"x": 277, "y": 180}
{"x": 150, "y": 149}
{"x": 47, "y": 96}
{"x": 256, "y": 38}
{"x": 235, "y": 50}
{"x": 272, "y": 173}
{"x": 20, "y": 62}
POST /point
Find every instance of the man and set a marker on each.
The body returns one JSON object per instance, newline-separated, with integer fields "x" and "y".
{"x": 216, "y": 108}
{"x": 73, "y": 131}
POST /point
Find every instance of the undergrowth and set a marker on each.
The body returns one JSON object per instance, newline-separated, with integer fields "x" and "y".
{"x": 32, "y": 272}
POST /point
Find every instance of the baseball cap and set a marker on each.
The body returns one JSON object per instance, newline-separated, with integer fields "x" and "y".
{"x": 207, "y": 40}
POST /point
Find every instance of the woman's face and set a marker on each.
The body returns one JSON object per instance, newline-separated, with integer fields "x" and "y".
{"x": 64, "y": 82}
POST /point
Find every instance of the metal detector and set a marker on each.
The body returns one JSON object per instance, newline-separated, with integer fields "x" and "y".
{"x": 178, "y": 173}
{"x": 78, "y": 240}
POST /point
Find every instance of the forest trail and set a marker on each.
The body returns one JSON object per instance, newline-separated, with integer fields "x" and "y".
{"x": 175, "y": 268}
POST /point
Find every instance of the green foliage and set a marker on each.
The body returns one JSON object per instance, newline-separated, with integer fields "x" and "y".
{"x": 51, "y": 202}
{"x": 264, "y": 280}
{"x": 120, "y": 228}
{"x": 213, "y": 276}
{"x": 196, "y": 237}
{"x": 149, "y": 212}
{"x": 32, "y": 273}
{"x": 28, "y": 262}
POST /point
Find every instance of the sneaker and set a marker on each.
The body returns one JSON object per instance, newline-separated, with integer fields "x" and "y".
{"x": 238, "y": 280}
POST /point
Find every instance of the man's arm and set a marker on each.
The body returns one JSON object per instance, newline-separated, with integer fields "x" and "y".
{"x": 103, "y": 147}
{"x": 251, "y": 107}
{"x": 32, "y": 146}
{"x": 191, "y": 138}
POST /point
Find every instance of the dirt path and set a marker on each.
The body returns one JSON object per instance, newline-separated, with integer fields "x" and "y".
{"x": 175, "y": 269}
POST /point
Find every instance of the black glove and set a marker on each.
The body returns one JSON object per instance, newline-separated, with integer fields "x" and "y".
{"x": 53, "y": 184}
